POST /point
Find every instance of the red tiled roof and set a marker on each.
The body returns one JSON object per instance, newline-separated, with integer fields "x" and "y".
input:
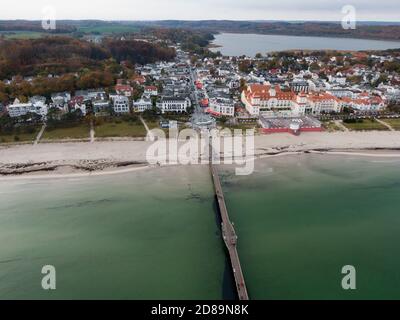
{"x": 121, "y": 87}
{"x": 265, "y": 92}
{"x": 322, "y": 97}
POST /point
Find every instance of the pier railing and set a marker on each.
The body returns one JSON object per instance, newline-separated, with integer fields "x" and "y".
{"x": 229, "y": 236}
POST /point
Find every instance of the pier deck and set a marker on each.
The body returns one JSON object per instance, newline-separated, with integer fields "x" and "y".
{"x": 230, "y": 237}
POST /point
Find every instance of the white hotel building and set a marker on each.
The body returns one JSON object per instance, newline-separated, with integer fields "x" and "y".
{"x": 18, "y": 109}
{"x": 273, "y": 102}
{"x": 221, "y": 107}
{"x": 121, "y": 104}
{"x": 174, "y": 104}
{"x": 143, "y": 104}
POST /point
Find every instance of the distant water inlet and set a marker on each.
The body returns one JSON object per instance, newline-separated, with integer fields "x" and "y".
{"x": 233, "y": 44}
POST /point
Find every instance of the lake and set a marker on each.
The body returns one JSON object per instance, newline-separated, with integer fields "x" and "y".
{"x": 154, "y": 234}
{"x": 233, "y": 44}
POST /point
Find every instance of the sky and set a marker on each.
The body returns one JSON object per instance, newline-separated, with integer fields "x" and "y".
{"x": 382, "y": 10}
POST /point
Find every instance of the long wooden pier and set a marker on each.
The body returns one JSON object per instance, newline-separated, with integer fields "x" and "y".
{"x": 230, "y": 237}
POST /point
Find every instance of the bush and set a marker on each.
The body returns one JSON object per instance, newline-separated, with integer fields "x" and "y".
{"x": 29, "y": 130}
{"x": 130, "y": 118}
{"x": 353, "y": 121}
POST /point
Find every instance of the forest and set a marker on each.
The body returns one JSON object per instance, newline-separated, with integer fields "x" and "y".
{"x": 138, "y": 51}
{"x": 364, "y": 30}
{"x": 60, "y": 55}
{"x": 60, "y": 63}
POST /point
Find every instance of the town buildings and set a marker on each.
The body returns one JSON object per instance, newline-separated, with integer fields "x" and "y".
{"x": 221, "y": 107}
{"x": 121, "y": 105}
{"x": 174, "y": 104}
{"x": 78, "y": 103}
{"x": 18, "y": 109}
{"x": 272, "y": 101}
{"x": 219, "y": 87}
{"x": 125, "y": 90}
{"x": 143, "y": 104}
{"x": 101, "y": 107}
{"x": 266, "y": 99}
{"x": 151, "y": 91}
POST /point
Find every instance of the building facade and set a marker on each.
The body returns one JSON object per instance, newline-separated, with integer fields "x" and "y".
{"x": 142, "y": 105}
{"x": 121, "y": 105}
{"x": 272, "y": 101}
{"x": 151, "y": 91}
{"x": 221, "y": 107}
{"x": 174, "y": 104}
{"x": 18, "y": 109}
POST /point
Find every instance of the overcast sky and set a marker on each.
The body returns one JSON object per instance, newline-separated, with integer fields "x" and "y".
{"x": 383, "y": 10}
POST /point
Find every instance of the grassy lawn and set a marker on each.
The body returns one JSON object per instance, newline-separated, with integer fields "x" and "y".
{"x": 367, "y": 124}
{"x": 394, "y": 123}
{"x": 120, "y": 129}
{"x": 153, "y": 124}
{"x": 20, "y": 136}
{"x": 81, "y": 131}
{"x": 239, "y": 126}
{"x": 24, "y": 137}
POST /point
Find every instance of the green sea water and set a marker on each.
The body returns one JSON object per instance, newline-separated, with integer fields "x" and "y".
{"x": 144, "y": 235}
{"x": 153, "y": 234}
{"x": 300, "y": 219}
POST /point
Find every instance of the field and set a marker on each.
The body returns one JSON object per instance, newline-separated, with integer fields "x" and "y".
{"x": 153, "y": 124}
{"x": 77, "y": 132}
{"x": 24, "y": 137}
{"x": 25, "y": 134}
{"x": 366, "y": 125}
{"x": 109, "y": 29}
{"x": 120, "y": 129}
{"x": 394, "y": 123}
{"x": 22, "y": 34}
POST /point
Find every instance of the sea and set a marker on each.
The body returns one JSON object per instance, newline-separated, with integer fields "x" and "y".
{"x": 155, "y": 234}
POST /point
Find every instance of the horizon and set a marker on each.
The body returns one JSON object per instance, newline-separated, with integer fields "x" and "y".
{"x": 206, "y": 20}
{"x": 191, "y": 10}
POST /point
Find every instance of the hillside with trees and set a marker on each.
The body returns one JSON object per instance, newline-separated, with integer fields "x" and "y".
{"x": 138, "y": 51}
{"x": 66, "y": 64}
{"x": 324, "y": 29}
{"x": 52, "y": 55}
{"x": 60, "y": 55}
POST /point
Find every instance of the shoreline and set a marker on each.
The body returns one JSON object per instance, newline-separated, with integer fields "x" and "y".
{"x": 59, "y": 173}
{"x": 77, "y": 173}
{"x": 79, "y": 159}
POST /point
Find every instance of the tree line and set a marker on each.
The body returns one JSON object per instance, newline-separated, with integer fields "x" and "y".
{"x": 59, "y": 55}
{"x": 66, "y": 64}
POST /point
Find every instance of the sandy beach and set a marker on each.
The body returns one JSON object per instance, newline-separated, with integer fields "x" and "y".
{"x": 99, "y": 158}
